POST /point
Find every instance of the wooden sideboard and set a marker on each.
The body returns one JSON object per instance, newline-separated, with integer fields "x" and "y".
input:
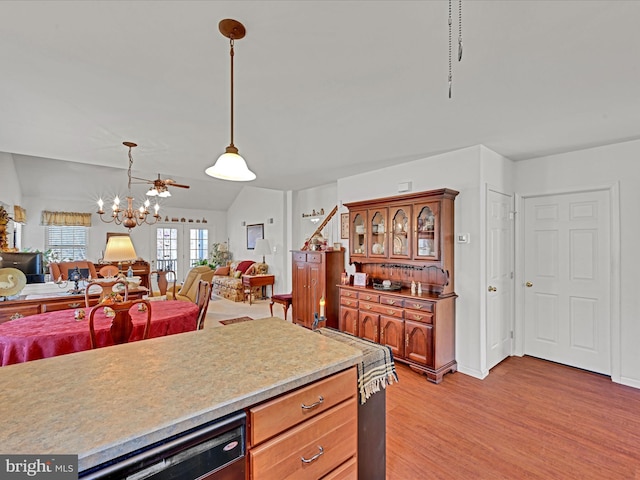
{"x": 23, "y": 307}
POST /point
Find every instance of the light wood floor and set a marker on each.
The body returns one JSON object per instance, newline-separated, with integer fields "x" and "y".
{"x": 528, "y": 419}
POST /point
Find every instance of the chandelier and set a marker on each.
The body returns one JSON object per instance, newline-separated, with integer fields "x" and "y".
{"x": 128, "y": 216}
{"x": 230, "y": 165}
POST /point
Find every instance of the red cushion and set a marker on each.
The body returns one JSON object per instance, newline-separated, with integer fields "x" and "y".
{"x": 222, "y": 271}
{"x": 244, "y": 265}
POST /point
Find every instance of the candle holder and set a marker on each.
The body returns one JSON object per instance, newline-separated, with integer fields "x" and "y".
{"x": 318, "y": 321}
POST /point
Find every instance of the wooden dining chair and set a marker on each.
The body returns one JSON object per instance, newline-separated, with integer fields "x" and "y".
{"x": 202, "y": 300}
{"x": 107, "y": 288}
{"x": 164, "y": 278}
{"x": 108, "y": 271}
{"x": 121, "y": 324}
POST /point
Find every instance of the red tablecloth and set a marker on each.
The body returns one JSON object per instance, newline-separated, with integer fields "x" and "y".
{"x": 57, "y": 333}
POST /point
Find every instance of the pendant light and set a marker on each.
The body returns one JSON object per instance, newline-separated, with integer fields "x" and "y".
{"x": 230, "y": 165}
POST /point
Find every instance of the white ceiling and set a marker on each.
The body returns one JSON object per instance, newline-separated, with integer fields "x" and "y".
{"x": 324, "y": 89}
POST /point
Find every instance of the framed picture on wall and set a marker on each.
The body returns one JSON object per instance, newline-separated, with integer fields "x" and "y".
{"x": 254, "y": 232}
{"x": 344, "y": 225}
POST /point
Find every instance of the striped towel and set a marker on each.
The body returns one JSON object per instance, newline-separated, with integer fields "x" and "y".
{"x": 376, "y": 370}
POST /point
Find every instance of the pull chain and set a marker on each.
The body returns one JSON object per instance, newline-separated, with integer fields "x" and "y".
{"x": 450, "y": 76}
{"x": 459, "y": 30}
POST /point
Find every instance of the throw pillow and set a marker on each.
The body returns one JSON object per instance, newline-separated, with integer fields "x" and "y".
{"x": 244, "y": 265}
{"x": 222, "y": 271}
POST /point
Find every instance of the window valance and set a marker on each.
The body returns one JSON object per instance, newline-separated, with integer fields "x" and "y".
{"x": 19, "y": 214}
{"x": 69, "y": 219}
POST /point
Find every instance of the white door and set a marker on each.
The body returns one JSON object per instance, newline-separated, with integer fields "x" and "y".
{"x": 179, "y": 247}
{"x": 499, "y": 279}
{"x": 567, "y": 274}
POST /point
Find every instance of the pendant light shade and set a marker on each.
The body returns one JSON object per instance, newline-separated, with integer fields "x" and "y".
{"x": 230, "y": 165}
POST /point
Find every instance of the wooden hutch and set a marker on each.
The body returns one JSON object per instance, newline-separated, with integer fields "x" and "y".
{"x": 399, "y": 241}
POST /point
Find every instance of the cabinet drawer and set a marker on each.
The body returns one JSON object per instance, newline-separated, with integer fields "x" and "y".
{"x": 22, "y": 310}
{"x": 421, "y": 305}
{"x": 314, "y": 257}
{"x": 393, "y": 301}
{"x": 55, "y": 306}
{"x": 348, "y": 293}
{"x": 346, "y": 471}
{"x": 370, "y": 297}
{"x": 272, "y": 417}
{"x": 423, "y": 317}
{"x": 325, "y": 442}
{"x": 348, "y": 302}
{"x": 368, "y": 306}
{"x": 299, "y": 257}
{"x": 389, "y": 311}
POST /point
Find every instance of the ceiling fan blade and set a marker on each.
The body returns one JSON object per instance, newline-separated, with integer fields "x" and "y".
{"x": 143, "y": 179}
{"x": 178, "y": 185}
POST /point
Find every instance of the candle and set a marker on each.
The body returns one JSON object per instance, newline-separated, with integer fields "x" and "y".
{"x": 322, "y": 302}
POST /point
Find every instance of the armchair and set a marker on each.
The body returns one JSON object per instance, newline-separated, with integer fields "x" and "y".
{"x": 189, "y": 290}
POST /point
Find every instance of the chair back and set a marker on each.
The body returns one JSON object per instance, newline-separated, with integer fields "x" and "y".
{"x": 121, "y": 324}
{"x": 108, "y": 271}
{"x": 164, "y": 282}
{"x": 202, "y": 300}
{"x": 107, "y": 289}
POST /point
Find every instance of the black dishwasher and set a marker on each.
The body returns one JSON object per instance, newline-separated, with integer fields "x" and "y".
{"x": 214, "y": 451}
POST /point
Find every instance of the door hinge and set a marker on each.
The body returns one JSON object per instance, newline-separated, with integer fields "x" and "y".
{"x": 511, "y": 275}
{"x": 511, "y": 334}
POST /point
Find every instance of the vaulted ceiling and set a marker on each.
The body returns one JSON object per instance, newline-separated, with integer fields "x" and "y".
{"x": 324, "y": 89}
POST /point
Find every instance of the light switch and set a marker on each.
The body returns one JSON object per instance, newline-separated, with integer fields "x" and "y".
{"x": 462, "y": 238}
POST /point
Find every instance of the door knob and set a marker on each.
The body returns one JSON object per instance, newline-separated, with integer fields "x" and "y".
{"x": 492, "y": 289}
{"x": 529, "y": 284}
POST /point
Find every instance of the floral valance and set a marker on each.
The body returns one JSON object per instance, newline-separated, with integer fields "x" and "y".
{"x": 68, "y": 219}
{"x": 19, "y": 214}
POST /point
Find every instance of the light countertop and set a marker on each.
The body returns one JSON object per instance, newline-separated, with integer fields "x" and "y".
{"x": 103, "y": 403}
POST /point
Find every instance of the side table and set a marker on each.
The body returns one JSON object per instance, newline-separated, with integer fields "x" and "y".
{"x": 250, "y": 281}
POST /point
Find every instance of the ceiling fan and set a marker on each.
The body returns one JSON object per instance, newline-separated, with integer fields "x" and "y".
{"x": 160, "y": 186}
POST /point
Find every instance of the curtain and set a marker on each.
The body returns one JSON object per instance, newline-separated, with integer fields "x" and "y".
{"x": 19, "y": 214}
{"x": 69, "y": 219}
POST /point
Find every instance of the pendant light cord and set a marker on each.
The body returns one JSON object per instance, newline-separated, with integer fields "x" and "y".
{"x": 231, "y": 54}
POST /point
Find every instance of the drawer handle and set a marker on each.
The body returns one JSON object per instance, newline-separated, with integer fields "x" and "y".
{"x": 73, "y": 305}
{"x": 417, "y": 317}
{"x": 313, "y": 405}
{"x": 315, "y": 457}
{"x": 391, "y": 302}
{"x": 391, "y": 312}
{"x": 417, "y": 306}
{"x": 369, "y": 307}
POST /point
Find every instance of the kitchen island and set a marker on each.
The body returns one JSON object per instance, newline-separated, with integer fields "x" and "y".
{"x": 102, "y": 404}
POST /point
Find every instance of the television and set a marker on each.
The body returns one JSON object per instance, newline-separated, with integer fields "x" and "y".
{"x": 29, "y": 263}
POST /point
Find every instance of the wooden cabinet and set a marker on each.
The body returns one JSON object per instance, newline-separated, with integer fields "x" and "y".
{"x": 419, "y": 330}
{"x": 405, "y": 239}
{"x": 309, "y": 433}
{"x": 316, "y": 275}
{"x": 12, "y": 309}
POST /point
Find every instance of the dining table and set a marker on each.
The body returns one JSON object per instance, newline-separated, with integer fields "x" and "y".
{"x": 60, "y": 332}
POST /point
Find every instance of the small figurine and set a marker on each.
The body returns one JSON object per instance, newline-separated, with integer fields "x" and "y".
{"x": 419, "y": 288}
{"x": 413, "y": 287}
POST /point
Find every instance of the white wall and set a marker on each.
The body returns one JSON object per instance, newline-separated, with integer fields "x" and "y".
{"x": 603, "y": 166}
{"x": 10, "y": 192}
{"x": 459, "y": 170}
{"x": 305, "y": 202}
{"x": 257, "y": 205}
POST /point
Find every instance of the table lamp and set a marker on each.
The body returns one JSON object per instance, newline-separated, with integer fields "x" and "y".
{"x": 263, "y": 248}
{"x": 119, "y": 249}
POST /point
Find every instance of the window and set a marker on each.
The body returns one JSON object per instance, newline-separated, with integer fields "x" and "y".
{"x": 66, "y": 243}
{"x": 198, "y": 242}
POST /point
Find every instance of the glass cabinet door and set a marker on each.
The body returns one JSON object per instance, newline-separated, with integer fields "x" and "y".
{"x": 399, "y": 228}
{"x": 378, "y": 243}
{"x": 427, "y": 231}
{"x": 358, "y": 234}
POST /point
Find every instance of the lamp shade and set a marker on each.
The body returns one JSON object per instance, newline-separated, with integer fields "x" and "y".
{"x": 262, "y": 247}
{"x": 231, "y": 166}
{"x": 119, "y": 249}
